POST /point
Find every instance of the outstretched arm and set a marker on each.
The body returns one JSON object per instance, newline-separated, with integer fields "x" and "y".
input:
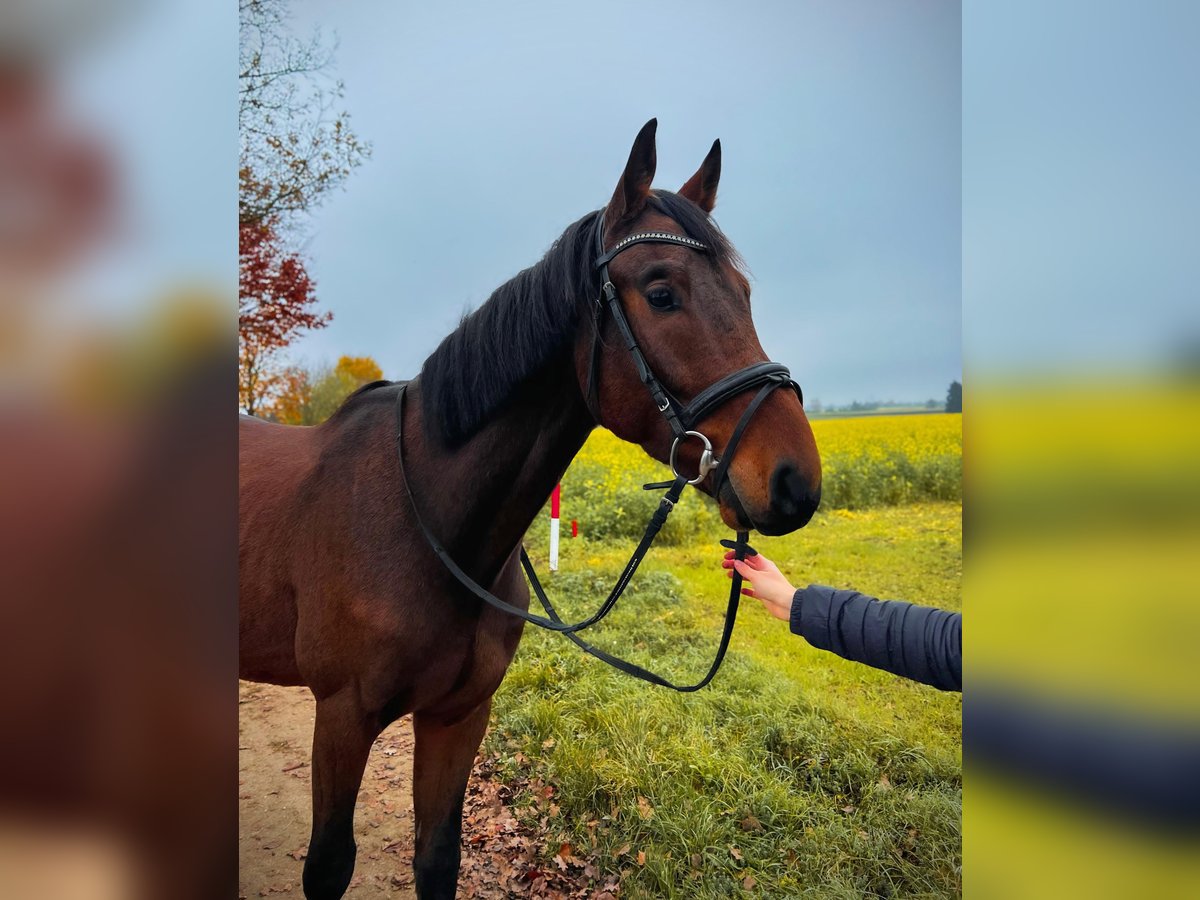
{"x": 917, "y": 642}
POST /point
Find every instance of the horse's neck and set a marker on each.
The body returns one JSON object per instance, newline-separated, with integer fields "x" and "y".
{"x": 481, "y": 498}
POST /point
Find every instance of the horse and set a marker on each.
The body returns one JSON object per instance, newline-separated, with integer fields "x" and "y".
{"x": 341, "y": 592}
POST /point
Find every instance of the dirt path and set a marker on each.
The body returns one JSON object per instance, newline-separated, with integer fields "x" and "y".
{"x": 507, "y": 853}
{"x": 275, "y": 725}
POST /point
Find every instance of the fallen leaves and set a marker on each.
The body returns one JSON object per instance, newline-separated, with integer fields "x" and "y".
{"x": 511, "y": 848}
{"x": 645, "y": 810}
{"x": 750, "y": 823}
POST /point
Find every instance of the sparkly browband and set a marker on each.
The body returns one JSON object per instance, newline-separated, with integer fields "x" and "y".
{"x": 646, "y": 237}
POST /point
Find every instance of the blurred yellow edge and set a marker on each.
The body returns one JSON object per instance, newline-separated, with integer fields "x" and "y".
{"x": 1081, "y": 570}
{"x": 1019, "y": 843}
{"x": 1083, "y": 541}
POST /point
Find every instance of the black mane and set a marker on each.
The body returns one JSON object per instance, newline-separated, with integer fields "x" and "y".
{"x": 528, "y": 321}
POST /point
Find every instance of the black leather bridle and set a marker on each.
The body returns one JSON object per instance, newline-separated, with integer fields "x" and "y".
{"x": 683, "y": 419}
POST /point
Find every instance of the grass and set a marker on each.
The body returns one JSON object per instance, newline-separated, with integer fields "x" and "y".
{"x": 795, "y": 773}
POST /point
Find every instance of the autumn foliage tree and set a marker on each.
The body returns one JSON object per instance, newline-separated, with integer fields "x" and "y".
{"x": 308, "y": 397}
{"x": 276, "y": 302}
{"x": 359, "y": 369}
{"x": 292, "y": 400}
{"x": 296, "y": 147}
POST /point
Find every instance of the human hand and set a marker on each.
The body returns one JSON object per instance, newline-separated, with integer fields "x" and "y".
{"x": 767, "y": 583}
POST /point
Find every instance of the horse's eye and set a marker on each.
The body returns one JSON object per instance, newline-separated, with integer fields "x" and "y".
{"x": 661, "y": 298}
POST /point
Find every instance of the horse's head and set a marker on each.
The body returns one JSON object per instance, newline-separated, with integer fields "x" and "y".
{"x": 689, "y": 311}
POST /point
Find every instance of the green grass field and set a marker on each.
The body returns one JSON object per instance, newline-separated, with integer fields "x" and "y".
{"x": 795, "y": 773}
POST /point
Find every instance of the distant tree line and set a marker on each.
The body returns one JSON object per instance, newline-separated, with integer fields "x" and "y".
{"x": 952, "y": 404}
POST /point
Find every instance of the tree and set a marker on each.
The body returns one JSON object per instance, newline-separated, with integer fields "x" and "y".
{"x": 954, "y": 398}
{"x": 295, "y": 148}
{"x": 362, "y": 369}
{"x": 276, "y": 301}
{"x": 332, "y": 389}
{"x": 292, "y": 401}
{"x": 329, "y": 392}
{"x": 310, "y": 397}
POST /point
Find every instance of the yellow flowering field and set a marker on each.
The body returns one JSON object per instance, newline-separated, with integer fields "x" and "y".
{"x": 889, "y": 460}
{"x": 932, "y": 434}
{"x": 603, "y": 491}
{"x": 866, "y": 461}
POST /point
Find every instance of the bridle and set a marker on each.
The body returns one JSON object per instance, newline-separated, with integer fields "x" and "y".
{"x": 684, "y": 421}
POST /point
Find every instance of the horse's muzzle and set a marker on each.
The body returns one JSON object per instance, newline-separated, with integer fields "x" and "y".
{"x": 793, "y": 500}
{"x": 792, "y": 503}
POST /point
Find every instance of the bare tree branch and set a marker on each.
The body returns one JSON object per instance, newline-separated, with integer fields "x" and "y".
{"x": 296, "y": 147}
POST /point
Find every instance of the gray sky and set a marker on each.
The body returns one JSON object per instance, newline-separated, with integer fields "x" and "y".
{"x": 495, "y": 128}
{"x": 1081, "y": 192}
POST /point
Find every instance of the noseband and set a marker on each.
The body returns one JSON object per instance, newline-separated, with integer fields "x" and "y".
{"x": 684, "y": 421}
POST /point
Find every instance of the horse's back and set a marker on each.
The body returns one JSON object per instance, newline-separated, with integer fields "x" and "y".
{"x": 272, "y": 463}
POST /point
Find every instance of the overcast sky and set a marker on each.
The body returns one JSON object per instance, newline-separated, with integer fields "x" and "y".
{"x": 495, "y": 128}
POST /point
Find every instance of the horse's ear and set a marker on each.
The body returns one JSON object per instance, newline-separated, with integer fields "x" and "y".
{"x": 630, "y": 196}
{"x": 701, "y": 188}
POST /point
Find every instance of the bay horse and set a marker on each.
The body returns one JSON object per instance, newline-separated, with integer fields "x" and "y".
{"x": 340, "y": 592}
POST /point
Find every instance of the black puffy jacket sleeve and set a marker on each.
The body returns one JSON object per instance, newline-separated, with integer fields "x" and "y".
{"x": 917, "y": 642}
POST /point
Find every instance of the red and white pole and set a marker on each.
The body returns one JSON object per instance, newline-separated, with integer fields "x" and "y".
{"x": 555, "y": 498}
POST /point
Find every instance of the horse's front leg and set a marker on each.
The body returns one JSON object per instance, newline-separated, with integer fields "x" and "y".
{"x": 441, "y": 765}
{"x": 342, "y": 741}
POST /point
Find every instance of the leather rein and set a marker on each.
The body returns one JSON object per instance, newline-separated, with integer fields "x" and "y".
{"x": 683, "y": 420}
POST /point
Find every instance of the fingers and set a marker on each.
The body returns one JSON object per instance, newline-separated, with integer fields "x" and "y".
{"x": 742, "y": 569}
{"x": 749, "y": 592}
{"x": 745, "y": 569}
{"x": 758, "y": 562}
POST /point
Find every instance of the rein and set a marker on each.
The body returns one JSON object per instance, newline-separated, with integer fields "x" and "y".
{"x": 683, "y": 421}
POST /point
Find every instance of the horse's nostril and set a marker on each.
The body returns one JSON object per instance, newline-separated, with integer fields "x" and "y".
{"x": 791, "y": 495}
